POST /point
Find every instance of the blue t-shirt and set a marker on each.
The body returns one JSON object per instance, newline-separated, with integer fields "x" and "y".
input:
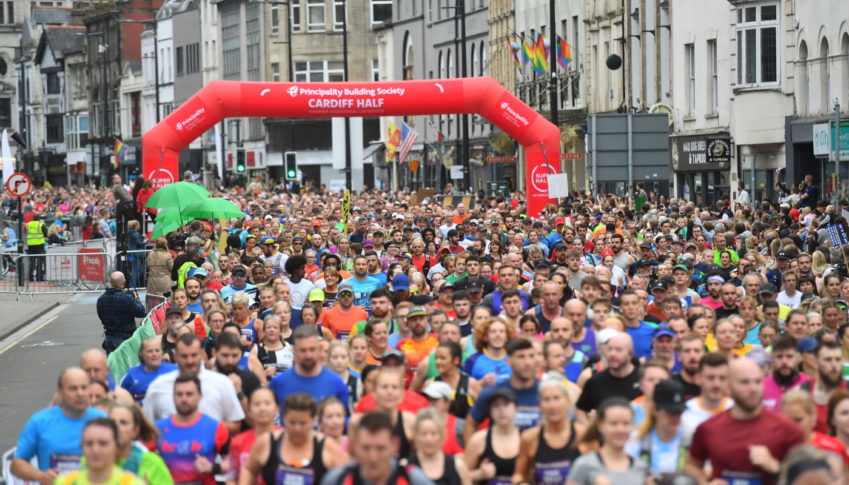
{"x": 55, "y": 438}
{"x": 642, "y": 338}
{"x": 195, "y": 307}
{"x": 752, "y": 335}
{"x": 573, "y": 368}
{"x": 527, "y": 414}
{"x": 137, "y": 379}
{"x": 480, "y": 364}
{"x": 228, "y": 291}
{"x": 362, "y": 291}
{"x": 324, "y": 385}
{"x": 380, "y": 276}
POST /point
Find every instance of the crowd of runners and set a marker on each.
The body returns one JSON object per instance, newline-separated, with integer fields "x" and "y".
{"x": 414, "y": 340}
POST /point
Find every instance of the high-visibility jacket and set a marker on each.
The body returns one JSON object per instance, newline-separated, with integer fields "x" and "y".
{"x": 35, "y": 233}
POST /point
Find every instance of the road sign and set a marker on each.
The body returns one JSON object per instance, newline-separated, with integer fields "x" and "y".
{"x": 844, "y": 140}
{"x": 19, "y": 184}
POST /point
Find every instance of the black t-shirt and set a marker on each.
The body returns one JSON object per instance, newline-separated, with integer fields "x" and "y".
{"x": 250, "y": 382}
{"x": 723, "y": 312}
{"x": 603, "y": 385}
{"x": 690, "y": 390}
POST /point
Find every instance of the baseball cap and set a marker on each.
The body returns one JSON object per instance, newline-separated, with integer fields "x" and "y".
{"x": 316, "y": 294}
{"x": 681, "y": 267}
{"x": 438, "y": 390}
{"x": 368, "y": 243}
{"x": 400, "y": 282}
{"x": 316, "y": 222}
{"x": 768, "y": 288}
{"x": 662, "y": 330}
{"x": 643, "y": 262}
{"x": 669, "y": 396}
{"x": 807, "y": 344}
{"x": 421, "y": 299}
{"x": 239, "y": 269}
{"x": 645, "y": 245}
{"x": 782, "y": 255}
{"x": 606, "y": 334}
{"x": 446, "y": 286}
{"x": 393, "y": 353}
{"x": 658, "y": 285}
{"x": 474, "y": 284}
{"x": 417, "y": 311}
{"x": 559, "y": 220}
{"x": 267, "y": 241}
{"x": 502, "y": 393}
{"x": 345, "y": 286}
{"x": 198, "y": 272}
{"x": 559, "y": 246}
{"x": 173, "y": 310}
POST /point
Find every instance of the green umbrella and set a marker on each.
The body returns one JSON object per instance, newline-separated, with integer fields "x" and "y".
{"x": 213, "y": 208}
{"x": 178, "y": 195}
{"x": 172, "y": 214}
{"x": 163, "y": 228}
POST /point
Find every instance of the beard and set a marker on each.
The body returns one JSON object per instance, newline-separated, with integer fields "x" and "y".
{"x": 784, "y": 380}
{"x": 829, "y": 381}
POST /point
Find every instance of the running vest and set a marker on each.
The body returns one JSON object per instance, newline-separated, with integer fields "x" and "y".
{"x": 35, "y": 236}
{"x": 551, "y": 466}
{"x": 450, "y": 476}
{"x": 277, "y": 472}
{"x": 503, "y": 466}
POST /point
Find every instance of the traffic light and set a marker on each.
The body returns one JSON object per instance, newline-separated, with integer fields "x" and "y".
{"x": 291, "y": 166}
{"x": 240, "y": 161}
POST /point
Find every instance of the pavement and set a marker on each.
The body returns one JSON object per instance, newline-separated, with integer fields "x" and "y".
{"x": 35, "y": 351}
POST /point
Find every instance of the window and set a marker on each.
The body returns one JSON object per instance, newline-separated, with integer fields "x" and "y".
{"x": 338, "y": 15}
{"x": 135, "y": 114}
{"x": 275, "y": 71}
{"x": 757, "y": 45}
{"x": 315, "y": 16}
{"x": 802, "y": 95}
{"x": 381, "y": 12}
{"x": 252, "y": 50}
{"x": 55, "y": 133}
{"x": 53, "y": 83}
{"x": 844, "y": 53}
{"x": 7, "y": 12}
{"x": 180, "y": 62}
{"x": 275, "y": 20}
{"x": 319, "y": 71}
{"x": 193, "y": 58}
{"x": 475, "y": 61}
{"x": 76, "y": 131}
{"x": 712, "y": 78}
{"x": 482, "y": 54}
{"x": 408, "y": 57}
{"x": 690, "y": 66}
{"x": 825, "y": 77}
{"x": 230, "y": 42}
{"x": 375, "y": 70}
{"x": 295, "y": 15}
{"x": 5, "y": 112}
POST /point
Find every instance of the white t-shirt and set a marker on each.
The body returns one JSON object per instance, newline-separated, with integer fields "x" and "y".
{"x": 695, "y": 415}
{"x": 299, "y": 291}
{"x": 790, "y": 301}
{"x": 219, "y": 400}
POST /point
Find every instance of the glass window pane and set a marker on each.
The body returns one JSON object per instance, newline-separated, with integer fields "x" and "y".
{"x": 335, "y": 65}
{"x": 300, "y": 66}
{"x": 769, "y": 64}
{"x": 739, "y": 15}
{"x": 751, "y": 56}
{"x": 751, "y": 14}
{"x": 769, "y": 12}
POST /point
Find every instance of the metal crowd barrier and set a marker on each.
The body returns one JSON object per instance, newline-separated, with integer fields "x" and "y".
{"x": 84, "y": 271}
{"x": 136, "y": 267}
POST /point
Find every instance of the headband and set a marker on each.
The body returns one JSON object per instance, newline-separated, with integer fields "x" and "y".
{"x": 715, "y": 279}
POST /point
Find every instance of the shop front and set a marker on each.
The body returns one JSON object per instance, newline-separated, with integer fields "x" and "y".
{"x": 701, "y": 165}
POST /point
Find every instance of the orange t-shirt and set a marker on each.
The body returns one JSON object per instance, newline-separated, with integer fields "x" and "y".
{"x": 458, "y": 219}
{"x": 416, "y": 351}
{"x": 339, "y": 322}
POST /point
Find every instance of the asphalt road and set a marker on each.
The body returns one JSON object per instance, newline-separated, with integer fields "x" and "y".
{"x": 28, "y": 370}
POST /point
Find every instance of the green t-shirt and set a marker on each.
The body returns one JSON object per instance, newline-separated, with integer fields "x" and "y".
{"x": 452, "y": 278}
{"x": 145, "y": 464}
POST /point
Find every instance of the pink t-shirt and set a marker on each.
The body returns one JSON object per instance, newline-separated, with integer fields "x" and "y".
{"x": 708, "y": 301}
{"x": 773, "y": 391}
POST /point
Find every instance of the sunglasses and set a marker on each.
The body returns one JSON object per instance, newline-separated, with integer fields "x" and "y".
{"x": 345, "y": 294}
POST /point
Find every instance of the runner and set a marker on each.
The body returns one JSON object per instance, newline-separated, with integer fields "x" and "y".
{"x": 491, "y": 453}
{"x": 100, "y": 448}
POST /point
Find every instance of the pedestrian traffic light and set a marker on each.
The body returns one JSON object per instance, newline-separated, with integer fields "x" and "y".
{"x": 240, "y": 161}
{"x": 291, "y": 165}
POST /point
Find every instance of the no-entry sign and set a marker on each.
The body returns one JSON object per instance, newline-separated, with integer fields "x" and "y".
{"x": 19, "y": 184}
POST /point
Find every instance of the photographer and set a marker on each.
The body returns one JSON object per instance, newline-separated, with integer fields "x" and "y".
{"x": 118, "y": 309}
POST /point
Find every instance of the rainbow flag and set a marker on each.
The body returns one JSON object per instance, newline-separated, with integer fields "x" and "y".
{"x": 518, "y": 54}
{"x": 120, "y": 151}
{"x": 529, "y": 52}
{"x": 564, "y": 52}
{"x": 542, "y": 46}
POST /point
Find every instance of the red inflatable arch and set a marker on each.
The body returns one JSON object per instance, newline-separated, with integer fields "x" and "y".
{"x": 222, "y": 99}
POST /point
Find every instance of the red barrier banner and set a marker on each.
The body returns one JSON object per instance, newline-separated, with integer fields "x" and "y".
{"x": 91, "y": 267}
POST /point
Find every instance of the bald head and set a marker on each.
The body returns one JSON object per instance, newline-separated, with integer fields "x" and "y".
{"x": 576, "y": 311}
{"x": 117, "y": 279}
{"x": 93, "y": 362}
{"x": 621, "y": 339}
{"x": 744, "y": 367}
{"x": 71, "y": 374}
{"x": 746, "y": 379}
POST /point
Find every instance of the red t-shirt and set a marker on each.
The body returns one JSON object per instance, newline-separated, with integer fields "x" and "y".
{"x": 419, "y": 261}
{"x": 725, "y": 441}
{"x": 412, "y": 402}
{"x": 821, "y": 409}
{"x": 831, "y": 445}
{"x": 240, "y": 450}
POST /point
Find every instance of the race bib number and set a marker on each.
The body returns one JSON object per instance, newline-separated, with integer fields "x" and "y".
{"x": 287, "y": 475}
{"x": 742, "y": 478}
{"x": 248, "y": 334}
{"x": 65, "y": 462}
{"x": 526, "y": 417}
